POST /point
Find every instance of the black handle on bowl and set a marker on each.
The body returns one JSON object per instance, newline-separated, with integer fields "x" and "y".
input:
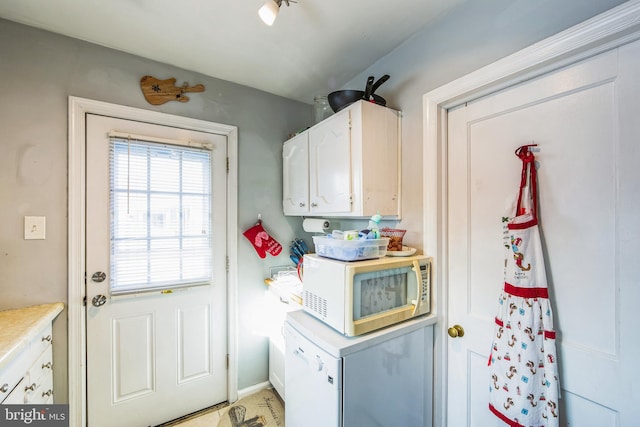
{"x": 368, "y": 88}
{"x": 377, "y": 84}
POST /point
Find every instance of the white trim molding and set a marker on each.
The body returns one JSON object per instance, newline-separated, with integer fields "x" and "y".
{"x": 609, "y": 30}
{"x": 78, "y": 109}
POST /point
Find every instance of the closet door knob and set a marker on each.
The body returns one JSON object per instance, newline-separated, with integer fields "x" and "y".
{"x": 456, "y": 331}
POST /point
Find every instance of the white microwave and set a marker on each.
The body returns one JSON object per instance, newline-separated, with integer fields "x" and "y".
{"x": 361, "y": 296}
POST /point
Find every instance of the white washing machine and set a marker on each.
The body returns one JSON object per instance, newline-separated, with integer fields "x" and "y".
{"x": 383, "y": 378}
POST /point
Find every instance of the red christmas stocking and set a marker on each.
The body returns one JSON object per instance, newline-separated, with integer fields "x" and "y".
{"x": 262, "y": 242}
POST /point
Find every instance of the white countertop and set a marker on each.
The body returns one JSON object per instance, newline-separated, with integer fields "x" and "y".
{"x": 339, "y": 345}
{"x": 19, "y": 326}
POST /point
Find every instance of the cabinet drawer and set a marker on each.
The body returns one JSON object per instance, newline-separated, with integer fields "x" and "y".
{"x": 42, "y": 366}
{"x": 39, "y": 392}
{"x": 11, "y": 375}
{"x": 40, "y": 342}
{"x": 16, "y": 397}
{"x": 23, "y": 366}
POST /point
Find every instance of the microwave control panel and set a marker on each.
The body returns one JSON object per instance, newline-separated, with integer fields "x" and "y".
{"x": 425, "y": 273}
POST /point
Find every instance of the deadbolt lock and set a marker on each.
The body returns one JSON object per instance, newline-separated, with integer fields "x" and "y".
{"x": 98, "y": 276}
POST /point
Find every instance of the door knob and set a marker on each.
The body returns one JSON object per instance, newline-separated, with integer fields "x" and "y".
{"x": 456, "y": 331}
{"x": 99, "y": 300}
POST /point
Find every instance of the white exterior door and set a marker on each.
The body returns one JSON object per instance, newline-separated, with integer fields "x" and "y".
{"x": 584, "y": 119}
{"x": 156, "y": 354}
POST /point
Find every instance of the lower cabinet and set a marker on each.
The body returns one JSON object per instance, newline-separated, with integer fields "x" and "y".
{"x": 39, "y": 388}
{"x": 29, "y": 377}
{"x": 278, "y": 305}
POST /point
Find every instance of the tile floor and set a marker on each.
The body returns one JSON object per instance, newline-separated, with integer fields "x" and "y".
{"x": 206, "y": 418}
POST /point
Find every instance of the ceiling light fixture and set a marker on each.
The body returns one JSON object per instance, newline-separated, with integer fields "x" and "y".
{"x": 269, "y": 10}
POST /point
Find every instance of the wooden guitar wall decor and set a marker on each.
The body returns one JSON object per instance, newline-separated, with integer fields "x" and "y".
{"x": 158, "y": 91}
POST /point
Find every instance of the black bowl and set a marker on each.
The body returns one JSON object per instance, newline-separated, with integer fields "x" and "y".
{"x": 341, "y": 98}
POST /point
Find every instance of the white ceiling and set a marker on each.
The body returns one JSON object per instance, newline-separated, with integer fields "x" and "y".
{"x": 313, "y": 48}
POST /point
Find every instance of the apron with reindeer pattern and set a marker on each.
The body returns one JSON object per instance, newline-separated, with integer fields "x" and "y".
{"x": 524, "y": 388}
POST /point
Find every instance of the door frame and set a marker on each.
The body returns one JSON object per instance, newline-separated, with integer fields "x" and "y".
{"x": 78, "y": 108}
{"x": 609, "y": 30}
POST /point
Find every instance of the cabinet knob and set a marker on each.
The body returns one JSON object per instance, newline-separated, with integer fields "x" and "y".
{"x": 47, "y": 393}
{"x": 302, "y": 204}
{"x": 47, "y": 365}
{"x": 4, "y": 388}
{"x": 314, "y": 205}
{"x": 47, "y": 338}
{"x": 30, "y": 387}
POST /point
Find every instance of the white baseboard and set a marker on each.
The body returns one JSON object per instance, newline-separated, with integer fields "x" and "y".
{"x": 253, "y": 389}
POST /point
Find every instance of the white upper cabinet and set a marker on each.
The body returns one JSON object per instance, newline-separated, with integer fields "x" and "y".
{"x": 295, "y": 175}
{"x": 330, "y": 170}
{"x": 345, "y": 166}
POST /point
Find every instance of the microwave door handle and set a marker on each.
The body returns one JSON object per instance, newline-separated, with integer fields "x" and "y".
{"x": 415, "y": 302}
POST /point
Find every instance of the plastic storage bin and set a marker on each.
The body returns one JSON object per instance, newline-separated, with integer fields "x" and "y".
{"x": 350, "y": 250}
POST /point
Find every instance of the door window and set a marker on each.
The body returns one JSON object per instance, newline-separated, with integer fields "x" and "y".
{"x": 160, "y": 203}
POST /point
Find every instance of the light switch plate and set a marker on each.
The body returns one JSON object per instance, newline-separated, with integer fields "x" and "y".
{"x": 34, "y": 227}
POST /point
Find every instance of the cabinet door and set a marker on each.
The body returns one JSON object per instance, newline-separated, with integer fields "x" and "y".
{"x": 330, "y": 165}
{"x": 295, "y": 175}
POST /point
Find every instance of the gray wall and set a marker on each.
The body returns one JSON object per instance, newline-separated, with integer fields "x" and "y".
{"x": 473, "y": 35}
{"x": 38, "y": 71}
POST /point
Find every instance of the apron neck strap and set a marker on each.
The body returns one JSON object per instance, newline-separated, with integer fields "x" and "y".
{"x": 528, "y": 173}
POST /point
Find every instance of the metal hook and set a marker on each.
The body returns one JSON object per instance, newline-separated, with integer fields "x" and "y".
{"x": 259, "y": 218}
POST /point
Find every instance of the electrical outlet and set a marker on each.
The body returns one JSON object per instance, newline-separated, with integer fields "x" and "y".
{"x": 34, "y": 227}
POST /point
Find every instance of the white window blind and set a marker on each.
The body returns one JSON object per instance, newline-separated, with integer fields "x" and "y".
{"x": 160, "y": 215}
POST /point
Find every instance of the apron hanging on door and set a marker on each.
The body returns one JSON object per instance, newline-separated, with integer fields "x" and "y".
{"x": 524, "y": 371}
